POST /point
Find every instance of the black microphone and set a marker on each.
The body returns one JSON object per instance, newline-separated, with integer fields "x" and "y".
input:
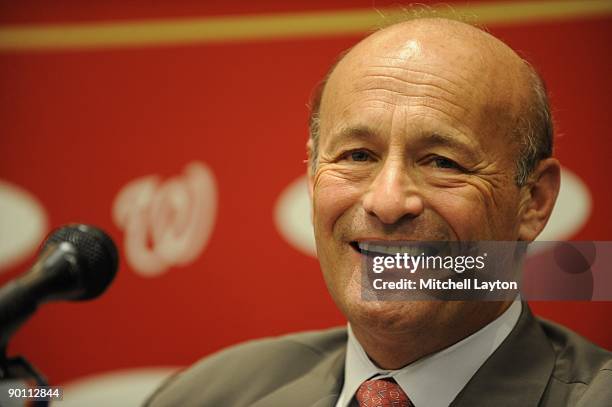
{"x": 76, "y": 262}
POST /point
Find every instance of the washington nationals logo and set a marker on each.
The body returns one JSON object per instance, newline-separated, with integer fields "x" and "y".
{"x": 166, "y": 223}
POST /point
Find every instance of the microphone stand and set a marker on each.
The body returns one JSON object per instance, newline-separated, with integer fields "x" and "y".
{"x": 15, "y": 372}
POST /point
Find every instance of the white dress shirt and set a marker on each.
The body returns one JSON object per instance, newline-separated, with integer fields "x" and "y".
{"x": 435, "y": 380}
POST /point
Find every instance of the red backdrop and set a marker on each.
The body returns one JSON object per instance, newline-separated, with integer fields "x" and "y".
{"x": 79, "y": 125}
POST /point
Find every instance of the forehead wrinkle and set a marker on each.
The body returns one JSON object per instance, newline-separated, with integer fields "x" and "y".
{"x": 415, "y": 64}
{"x": 456, "y": 120}
{"x": 415, "y": 72}
{"x": 371, "y": 103}
{"x": 430, "y": 90}
{"x": 450, "y": 81}
{"x": 454, "y": 79}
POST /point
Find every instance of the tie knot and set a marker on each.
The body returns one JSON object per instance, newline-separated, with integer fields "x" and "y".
{"x": 382, "y": 392}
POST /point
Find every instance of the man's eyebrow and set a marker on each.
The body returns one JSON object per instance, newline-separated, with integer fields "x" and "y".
{"x": 351, "y": 134}
{"x": 455, "y": 142}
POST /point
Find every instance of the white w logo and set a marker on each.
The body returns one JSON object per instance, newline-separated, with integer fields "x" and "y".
{"x": 166, "y": 223}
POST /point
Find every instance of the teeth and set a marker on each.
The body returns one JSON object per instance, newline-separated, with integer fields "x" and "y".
{"x": 390, "y": 250}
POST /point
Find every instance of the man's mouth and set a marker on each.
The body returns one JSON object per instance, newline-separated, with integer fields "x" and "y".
{"x": 391, "y": 248}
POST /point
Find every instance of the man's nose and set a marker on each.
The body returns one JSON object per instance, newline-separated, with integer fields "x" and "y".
{"x": 393, "y": 195}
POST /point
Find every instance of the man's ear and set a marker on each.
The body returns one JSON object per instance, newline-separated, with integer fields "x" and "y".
{"x": 309, "y": 172}
{"x": 539, "y": 197}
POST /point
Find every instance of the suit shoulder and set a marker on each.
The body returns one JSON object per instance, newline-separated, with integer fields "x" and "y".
{"x": 317, "y": 342}
{"x": 580, "y": 365}
{"x": 255, "y": 367}
{"x": 321, "y": 341}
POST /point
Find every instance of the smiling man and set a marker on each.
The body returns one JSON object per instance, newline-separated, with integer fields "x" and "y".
{"x": 427, "y": 130}
{"x": 419, "y": 135}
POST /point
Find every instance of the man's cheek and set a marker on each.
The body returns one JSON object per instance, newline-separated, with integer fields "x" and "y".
{"x": 333, "y": 195}
{"x": 458, "y": 207}
{"x": 495, "y": 205}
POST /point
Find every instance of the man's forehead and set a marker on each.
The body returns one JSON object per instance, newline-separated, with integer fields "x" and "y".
{"x": 470, "y": 62}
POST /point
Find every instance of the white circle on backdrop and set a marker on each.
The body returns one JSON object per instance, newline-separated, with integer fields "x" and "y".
{"x": 570, "y": 214}
{"x": 23, "y": 224}
{"x": 293, "y": 216}
{"x": 125, "y": 388}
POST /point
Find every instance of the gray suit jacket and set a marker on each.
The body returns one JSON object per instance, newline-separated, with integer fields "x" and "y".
{"x": 539, "y": 364}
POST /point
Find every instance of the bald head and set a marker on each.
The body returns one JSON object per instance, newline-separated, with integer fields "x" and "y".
{"x": 446, "y": 57}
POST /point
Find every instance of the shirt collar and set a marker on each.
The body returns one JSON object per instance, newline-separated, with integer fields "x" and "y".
{"x": 434, "y": 380}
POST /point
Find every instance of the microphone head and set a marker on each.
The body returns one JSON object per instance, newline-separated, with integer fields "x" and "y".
{"x": 96, "y": 254}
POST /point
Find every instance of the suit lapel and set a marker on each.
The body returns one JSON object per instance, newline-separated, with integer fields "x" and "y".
{"x": 517, "y": 373}
{"x": 318, "y": 388}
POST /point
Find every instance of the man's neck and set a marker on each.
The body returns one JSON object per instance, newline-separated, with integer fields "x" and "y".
{"x": 394, "y": 350}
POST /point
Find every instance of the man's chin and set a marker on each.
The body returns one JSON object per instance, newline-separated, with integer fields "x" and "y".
{"x": 389, "y": 315}
{"x": 393, "y": 316}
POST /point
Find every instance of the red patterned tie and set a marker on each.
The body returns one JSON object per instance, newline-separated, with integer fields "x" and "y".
{"x": 378, "y": 393}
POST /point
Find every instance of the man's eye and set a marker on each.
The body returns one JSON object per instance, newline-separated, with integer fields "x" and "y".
{"x": 359, "y": 155}
{"x": 442, "y": 162}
